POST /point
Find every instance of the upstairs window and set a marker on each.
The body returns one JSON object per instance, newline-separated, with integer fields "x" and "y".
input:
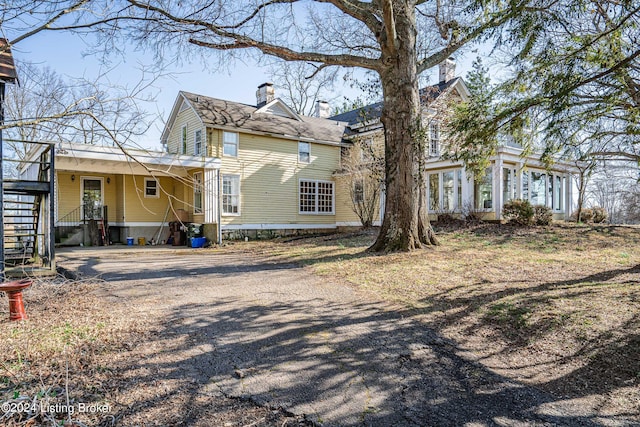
{"x": 230, "y": 144}
{"x": 366, "y": 150}
{"x": 304, "y": 152}
{"x": 184, "y": 139}
{"x": 434, "y": 139}
{"x": 197, "y": 143}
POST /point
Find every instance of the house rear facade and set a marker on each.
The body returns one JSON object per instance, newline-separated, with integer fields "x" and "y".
{"x": 263, "y": 170}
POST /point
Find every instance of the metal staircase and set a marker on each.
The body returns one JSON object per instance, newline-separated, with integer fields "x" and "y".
{"x": 27, "y": 213}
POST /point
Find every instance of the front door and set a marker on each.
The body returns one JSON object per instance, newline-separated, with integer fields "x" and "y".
{"x": 92, "y": 198}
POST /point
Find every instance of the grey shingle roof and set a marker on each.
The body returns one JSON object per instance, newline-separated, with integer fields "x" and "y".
{"x": 374, "y": 111}
{"x": 228, "y": 114}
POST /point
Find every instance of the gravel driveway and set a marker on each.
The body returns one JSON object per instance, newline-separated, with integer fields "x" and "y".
{"x": 272, "y": 333}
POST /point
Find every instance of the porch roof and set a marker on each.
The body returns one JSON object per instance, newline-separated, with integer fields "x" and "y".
{"x": 128, "y": 161}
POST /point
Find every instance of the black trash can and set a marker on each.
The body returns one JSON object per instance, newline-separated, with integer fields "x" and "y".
{"x": 195, "y": 230}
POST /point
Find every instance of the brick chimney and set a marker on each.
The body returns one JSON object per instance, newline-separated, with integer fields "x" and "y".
{"x": 265, "y": 94}
{"x": 447, "y": 70}
{"x": 323, "y": 110}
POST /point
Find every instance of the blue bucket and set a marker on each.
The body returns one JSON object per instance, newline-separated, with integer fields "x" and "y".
{"x": 129, "y": 241}
{"x": 198, "y": 242}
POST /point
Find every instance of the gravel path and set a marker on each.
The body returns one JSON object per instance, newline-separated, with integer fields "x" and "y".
{"x": 255, "y": 329}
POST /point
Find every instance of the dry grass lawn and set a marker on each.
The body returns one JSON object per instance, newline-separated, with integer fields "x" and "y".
{"x": 557, "y": 307}
{"x": 554, "y": 307}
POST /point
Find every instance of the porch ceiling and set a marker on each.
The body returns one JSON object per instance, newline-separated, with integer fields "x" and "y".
{"x": 117, "y": 168}
{"x": 112, "y": 160}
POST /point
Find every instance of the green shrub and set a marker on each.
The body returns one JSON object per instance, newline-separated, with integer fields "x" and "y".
{"x": 518, "y": 212}
{"x": 600, "y": 215}
{"x": 542, "y": 215}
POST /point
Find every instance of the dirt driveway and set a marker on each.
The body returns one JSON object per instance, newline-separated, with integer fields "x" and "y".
{"x": 250, "y": 328}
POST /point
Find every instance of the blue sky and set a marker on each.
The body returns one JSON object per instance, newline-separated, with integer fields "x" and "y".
{"x": 66, "y": 54}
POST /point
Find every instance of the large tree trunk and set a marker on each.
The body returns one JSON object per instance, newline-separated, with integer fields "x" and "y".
{"x": 405, "y": 225}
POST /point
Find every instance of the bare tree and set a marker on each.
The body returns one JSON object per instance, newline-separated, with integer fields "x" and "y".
{"x": 301, "y": 84}
{"x": 614, "y": 187}
{"x": 47, "y": 107}
{"x": 362, "y": 169}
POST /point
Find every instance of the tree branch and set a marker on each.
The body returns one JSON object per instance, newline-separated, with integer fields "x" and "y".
{"x": 616, "y": 154}
{"x": 363, "y": 12}
{"x": 496, "y": 20}
{"x": 240, "y": 41}
{"x": 390, "y": 26}
{"x": 47, "y": 25}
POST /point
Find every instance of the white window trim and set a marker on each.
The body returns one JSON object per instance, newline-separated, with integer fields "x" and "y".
{"x": 237, "y": 143}
{"x": 197, "y": 152}
{"x": 550, "y": 200}
{"x": 333, "y": 197}
{"x": 222, "y": 212}
{"x": 434, "y": 151}
{"x": 90, "y": 177}
{"x": 195, "y": 187}
{"x": 308, "y": 152}
{"x": 157, "y": 195}
{"x": 560, "y": 191}
{"x": 182, "y": 149}
{"x": 545, "y": 186}
{"x": 456, "y": 198}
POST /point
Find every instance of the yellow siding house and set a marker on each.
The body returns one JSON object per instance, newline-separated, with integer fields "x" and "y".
{"x": 239, "y": 170}
{"x": 257, "y": 171}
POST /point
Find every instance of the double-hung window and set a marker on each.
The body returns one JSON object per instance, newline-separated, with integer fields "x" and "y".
{"x": 316, "y": 197}
{"x": 434, "y": 139}
{"x": 231, "y": 194}
{"x": 197, "y": 192}
{"x": 304, "y": 152}
{"x": 230, "y": 144}
{"x": 184, "y": 139}
{"x": 151, "y": 188}
{"x": 197, "y": 142}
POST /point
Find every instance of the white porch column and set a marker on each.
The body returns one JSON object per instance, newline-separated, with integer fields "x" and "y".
{"x": 518, "y": 178}
{"x": 467, "y": 190}
{"x": 568, "y": 192}
{"x": 468, "y": 196}
{"x": 498, "y": 184}
{"x": 210, "y": 196}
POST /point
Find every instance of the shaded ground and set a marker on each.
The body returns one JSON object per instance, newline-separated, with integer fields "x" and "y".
{"x": 245, "y": 336}
{"x": 555, "y": 307}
